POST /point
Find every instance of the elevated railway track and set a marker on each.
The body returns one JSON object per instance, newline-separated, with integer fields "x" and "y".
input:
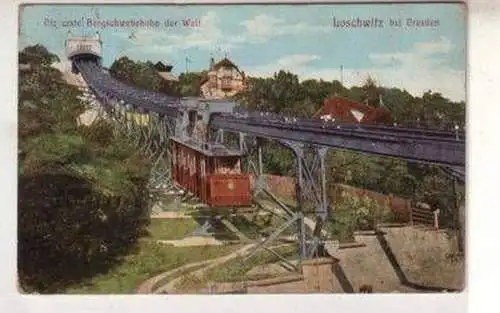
{"x": 418, "y": 145}
{"x": 444, "y": 148}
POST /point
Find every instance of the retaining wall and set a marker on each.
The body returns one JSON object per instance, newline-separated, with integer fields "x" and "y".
{"x": 284, "y": 187}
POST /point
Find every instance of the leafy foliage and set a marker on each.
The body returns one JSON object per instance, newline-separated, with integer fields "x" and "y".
{"x": 284, "y": 93}
{"x": 82, "y": 190}
{"x": 140, "y": 74}
{"x": 37, "y": 55}
{"x": 354, "y": 213}
{"x": 144, "y": 75}
{"x": 189, "y": 84}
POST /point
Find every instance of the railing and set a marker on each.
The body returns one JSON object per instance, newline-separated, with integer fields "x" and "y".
{"x": 417, "y": 145}
{"x": 423, "y": 215}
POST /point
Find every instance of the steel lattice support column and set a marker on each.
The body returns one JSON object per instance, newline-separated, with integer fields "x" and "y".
{"x": 310, "y": 188}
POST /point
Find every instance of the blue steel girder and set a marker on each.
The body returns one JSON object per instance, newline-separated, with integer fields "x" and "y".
{"x": 457, "y": 173}
{"x": 252, "y": 148}
{"x": 249, "y": 146}
{"x": 417, "y": 145}
{"x": 266, "y": 242}
{"x": 144, "y": 100}
{"x": 311, "y": 184}
{"x": 425, "y": 150}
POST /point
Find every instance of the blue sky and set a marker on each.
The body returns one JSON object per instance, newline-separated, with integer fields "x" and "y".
{"x": 264, "y": 39}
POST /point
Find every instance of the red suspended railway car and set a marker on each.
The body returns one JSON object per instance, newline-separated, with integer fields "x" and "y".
{"x": 212, "y": 173}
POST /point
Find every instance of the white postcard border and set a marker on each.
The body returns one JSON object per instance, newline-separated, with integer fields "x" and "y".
{"x": 482, "y": 151}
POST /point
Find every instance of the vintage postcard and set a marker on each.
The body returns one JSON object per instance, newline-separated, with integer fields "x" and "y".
{"x": 241, "y": 149}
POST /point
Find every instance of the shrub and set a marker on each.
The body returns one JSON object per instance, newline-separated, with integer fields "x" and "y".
{"x": 82, "y": 190}
{"x": 352, "y": 213}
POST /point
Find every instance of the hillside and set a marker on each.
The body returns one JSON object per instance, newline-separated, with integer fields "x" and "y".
{"x": 82, "y": 190}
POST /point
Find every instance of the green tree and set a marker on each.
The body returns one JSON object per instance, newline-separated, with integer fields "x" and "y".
{"x": 370, "y": 92}
{"x": 82, "y": 190}
{"x": 190, "y": 83}
{"x": 142, "y": 75}
{"x": 145, "y": 76}
{"x": 401, "y": 104}
{"x": 37, "y": 55}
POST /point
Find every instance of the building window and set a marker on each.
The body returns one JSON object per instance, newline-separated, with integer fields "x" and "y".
{"x": 226, "y": 82}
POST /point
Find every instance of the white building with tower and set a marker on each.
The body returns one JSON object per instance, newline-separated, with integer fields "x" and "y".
{"x": 223, "y": 80}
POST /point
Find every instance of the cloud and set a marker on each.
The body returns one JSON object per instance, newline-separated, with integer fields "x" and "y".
{"x": 204, "y": 37}
{"x": 417, "y": 70}
{"x": 443, "y": 45}
{"x": 161, "y": 41}
{"x": 296, "y": 63}
{"x": 449, "y": 82}
{"x": 421, "y": 68}
{"x": 263, "y": 27}
{"x": 259, "y": 29}
{"x": 423, "y": 55}
{"x": 296, "y": 60}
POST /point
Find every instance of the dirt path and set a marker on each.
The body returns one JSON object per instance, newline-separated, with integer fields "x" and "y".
{"x": 170, "y": 214}
{"x": 147, "y": 286}
{"x": 193, "y": 241}
{"x": 170, "y": 286}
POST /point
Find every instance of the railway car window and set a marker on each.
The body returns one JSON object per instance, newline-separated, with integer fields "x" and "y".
{"x": 192, "y": 120}
{"x": 227, "y": 165}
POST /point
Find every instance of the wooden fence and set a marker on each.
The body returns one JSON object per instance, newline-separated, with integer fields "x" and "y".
{"x": 284, "y": 187}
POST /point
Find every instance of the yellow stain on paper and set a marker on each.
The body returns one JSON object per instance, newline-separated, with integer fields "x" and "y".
{"x": 139, "y": 119}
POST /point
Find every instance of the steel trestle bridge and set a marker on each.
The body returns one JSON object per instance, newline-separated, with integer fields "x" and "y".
{"x": 308, "y": 138}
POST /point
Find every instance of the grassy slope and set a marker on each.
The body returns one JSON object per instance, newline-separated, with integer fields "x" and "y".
{"x": 235, "y": 270}
{"x": 172, "y": 228}
{"x": 150, "y": 258}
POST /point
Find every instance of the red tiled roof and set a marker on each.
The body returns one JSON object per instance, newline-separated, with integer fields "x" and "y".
{"x": 341, "y": 108}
